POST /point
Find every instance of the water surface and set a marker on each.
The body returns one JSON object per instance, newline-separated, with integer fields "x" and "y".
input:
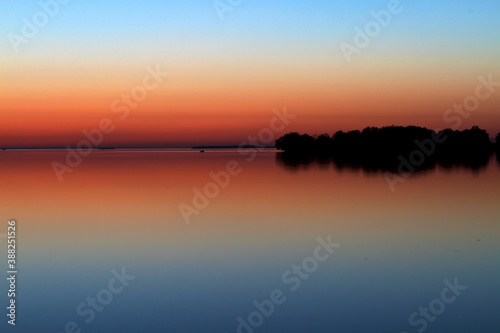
{"x": 120, "y": 209}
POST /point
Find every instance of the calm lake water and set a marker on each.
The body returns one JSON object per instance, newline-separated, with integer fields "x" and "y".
{"x": 120, "y": 210}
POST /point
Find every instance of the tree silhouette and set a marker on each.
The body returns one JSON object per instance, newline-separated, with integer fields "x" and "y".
{"x": 386, "y": 147}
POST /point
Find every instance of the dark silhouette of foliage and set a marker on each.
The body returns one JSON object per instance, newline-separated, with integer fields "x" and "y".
{"x": 388, "y": 147}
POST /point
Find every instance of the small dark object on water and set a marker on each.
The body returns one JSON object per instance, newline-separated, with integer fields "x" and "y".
{"x": 202, "y": 151}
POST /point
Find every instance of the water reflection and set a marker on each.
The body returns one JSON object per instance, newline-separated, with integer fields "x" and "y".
{"x": 295, "y": 163}
{"x": 121, "y": 209}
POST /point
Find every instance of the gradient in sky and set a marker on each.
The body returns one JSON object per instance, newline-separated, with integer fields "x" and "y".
{"x": 227, "y": 76}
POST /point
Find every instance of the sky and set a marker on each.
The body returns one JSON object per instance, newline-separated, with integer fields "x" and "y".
{"x": 228, "y": 72}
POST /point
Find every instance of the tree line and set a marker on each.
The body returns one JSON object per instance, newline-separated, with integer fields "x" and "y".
{"x": 384, "y": 147}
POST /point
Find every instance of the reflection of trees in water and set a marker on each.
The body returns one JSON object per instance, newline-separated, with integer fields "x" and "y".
{"x": 404, "y": 149}
{"x": 293, "y": 162}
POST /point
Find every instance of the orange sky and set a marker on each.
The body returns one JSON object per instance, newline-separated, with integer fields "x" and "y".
{"x": 226, "y": 78}
{"x": 51, "y": 104}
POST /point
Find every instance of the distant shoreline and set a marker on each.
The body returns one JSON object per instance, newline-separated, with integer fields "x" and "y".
{"x": 144, "y": 148}
{"x": 234, "y": 147}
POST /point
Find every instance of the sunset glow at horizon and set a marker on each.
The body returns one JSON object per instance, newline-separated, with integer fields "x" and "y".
{"x": 225, "y": 77}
